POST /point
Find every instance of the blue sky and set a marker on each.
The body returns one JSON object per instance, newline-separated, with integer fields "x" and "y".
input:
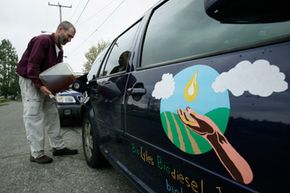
{"x": 206, "y": 100}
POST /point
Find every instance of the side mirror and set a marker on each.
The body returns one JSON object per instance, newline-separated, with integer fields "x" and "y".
{"x": 109, "y": 90}
{"x": 248, "y": 11}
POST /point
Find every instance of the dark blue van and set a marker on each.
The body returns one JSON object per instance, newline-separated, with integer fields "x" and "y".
{"x": 182, "y": 102}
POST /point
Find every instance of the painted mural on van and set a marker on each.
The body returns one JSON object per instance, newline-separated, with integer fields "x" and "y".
{"x": 195, "y": 108}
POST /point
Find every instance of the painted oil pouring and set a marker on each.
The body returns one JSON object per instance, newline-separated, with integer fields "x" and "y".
{"x": 58, "y": 77}
{"x": 191, "y": 88}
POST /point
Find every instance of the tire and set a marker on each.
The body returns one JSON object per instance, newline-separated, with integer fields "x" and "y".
{"x": 92, "y": 153}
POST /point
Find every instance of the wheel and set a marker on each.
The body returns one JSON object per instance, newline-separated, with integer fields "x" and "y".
{"x": 92, "y": 153}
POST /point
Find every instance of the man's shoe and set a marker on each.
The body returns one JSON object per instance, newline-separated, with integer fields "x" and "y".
{"x": 44, "y": 159}
{"x": 64, "y": 151}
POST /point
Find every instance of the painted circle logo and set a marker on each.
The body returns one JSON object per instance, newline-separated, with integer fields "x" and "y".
{"x": 193, "y": 110}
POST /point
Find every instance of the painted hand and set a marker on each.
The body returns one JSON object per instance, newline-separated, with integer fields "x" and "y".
{"x": 234, "y": 163}
{"x": 200, "y": 124}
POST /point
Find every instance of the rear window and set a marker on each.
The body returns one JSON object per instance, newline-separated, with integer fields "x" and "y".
{"x": 179, "y": 29}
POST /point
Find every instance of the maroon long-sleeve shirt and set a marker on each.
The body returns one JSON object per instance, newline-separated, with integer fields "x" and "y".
{"x": 39, "y": 55}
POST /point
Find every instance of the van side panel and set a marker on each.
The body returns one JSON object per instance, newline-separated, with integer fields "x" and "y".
{"x": 254, "y": 127}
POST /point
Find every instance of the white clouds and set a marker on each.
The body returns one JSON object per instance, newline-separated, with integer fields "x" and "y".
{"x": 164, "y": 88}
{"x": 259, "y": 78}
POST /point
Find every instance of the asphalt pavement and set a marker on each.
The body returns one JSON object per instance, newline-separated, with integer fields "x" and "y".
{"x": 69, "y": 174}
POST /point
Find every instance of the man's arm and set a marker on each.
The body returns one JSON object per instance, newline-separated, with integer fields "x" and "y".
{"x": 36, "y": 59}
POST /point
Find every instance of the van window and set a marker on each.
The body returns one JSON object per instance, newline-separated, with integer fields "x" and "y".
{"x": 181, "y": 29}
{"x": 118, "y": 58}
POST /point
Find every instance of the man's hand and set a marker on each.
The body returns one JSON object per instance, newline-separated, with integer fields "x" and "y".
{"x": 45, "y": 91}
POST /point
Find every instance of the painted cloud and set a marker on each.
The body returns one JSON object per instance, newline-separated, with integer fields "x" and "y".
{"x": 164, "y": 88}
{"x": 259, "y": 78}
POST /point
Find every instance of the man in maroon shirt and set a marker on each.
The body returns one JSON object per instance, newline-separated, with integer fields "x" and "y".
{"x": 40, "y": 113}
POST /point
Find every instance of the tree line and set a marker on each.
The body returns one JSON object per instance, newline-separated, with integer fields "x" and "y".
{"x": 9, "y": 87}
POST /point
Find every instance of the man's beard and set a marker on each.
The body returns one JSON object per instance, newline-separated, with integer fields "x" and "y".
{"x": 62, "y": 41}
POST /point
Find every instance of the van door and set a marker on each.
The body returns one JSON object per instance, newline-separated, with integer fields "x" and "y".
{"x": 108, "y": 99}
{"x": 193, "y": 122}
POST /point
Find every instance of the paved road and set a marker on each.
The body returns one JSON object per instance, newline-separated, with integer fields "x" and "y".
{"x": 65, "y": 175}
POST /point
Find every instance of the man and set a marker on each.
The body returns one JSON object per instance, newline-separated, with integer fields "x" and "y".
{"x": 39, "y": 110}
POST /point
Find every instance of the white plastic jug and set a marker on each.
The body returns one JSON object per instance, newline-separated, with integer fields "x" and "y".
{"x": 58, "y": 77}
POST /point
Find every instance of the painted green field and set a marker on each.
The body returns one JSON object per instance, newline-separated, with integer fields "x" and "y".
{"x": 187, "y": 140}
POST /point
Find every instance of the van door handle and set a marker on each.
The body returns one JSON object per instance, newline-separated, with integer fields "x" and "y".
{"x": 136, "y": 91}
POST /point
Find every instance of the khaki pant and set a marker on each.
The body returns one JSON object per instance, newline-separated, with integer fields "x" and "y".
{"x": 40, "y": 115}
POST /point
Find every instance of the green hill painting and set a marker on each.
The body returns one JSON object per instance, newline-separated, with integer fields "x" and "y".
{"x": 187, "y": 140}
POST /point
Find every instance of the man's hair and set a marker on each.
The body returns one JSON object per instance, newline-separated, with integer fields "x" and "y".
{"x": 66, "y": 25}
